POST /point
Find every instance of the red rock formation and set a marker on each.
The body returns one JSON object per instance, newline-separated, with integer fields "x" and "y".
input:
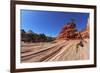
{"x": 69, "y": 31}
{"x": 85, "y": 32}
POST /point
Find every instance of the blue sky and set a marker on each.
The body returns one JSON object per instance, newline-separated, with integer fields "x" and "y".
{"x": 50, "y": 22}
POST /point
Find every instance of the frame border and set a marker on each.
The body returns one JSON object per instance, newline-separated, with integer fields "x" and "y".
{"x": 13, "y": 34}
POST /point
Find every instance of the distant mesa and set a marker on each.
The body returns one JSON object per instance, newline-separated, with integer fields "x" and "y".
{"x": 69, "y": 31}
{"x": 30, "y": 36}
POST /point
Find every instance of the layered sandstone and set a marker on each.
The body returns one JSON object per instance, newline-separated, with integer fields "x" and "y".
{"x": 69, "y": 31}
{"x": 85, "y": 32}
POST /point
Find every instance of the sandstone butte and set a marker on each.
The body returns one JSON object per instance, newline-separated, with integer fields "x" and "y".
{"x": 69, "y": 31}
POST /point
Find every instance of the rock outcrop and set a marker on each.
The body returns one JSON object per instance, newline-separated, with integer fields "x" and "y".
{"x": 85, "y": 32}
{"x": 69, "y": 31}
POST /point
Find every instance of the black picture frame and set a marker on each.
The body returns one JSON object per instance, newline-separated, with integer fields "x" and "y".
{"x": 13, "y": 34}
